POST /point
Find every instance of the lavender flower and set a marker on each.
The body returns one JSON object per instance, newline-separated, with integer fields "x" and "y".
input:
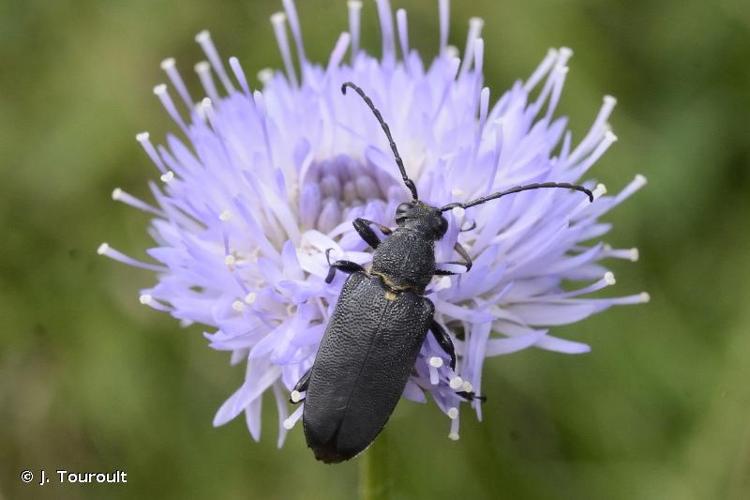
{"x": 261, "y": 183}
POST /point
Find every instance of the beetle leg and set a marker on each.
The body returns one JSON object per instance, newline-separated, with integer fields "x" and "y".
{"x": 471, "y": 227}
{"x": 464, "y": 255}
{"x": 346, "y": 266}
{"x": 362, "y": 226}
{"x": 471, "y": 396}
{"x": 443, "y": 272}
{"x": 466, "y": 262}
{"x": 300, "y": 387}
{"x": 445, "y": 341}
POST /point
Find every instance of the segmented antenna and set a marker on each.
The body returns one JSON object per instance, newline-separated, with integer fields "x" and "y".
{"x": 518, "y": 189}
{"x": 409, "y": 183}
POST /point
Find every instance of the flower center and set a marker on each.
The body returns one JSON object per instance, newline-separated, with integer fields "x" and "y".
{"x": 341, "y": 189}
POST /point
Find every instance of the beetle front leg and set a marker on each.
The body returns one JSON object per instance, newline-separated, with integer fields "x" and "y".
{"x": 444, "y": 340}
{"x": 346, "y": 266}
{"x": 362, "y": 226}
{"x": 300, "y": 387}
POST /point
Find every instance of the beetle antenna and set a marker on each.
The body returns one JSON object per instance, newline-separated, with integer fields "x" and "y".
{"x": 409, "y": 183}
{"x": 518, "y": 189}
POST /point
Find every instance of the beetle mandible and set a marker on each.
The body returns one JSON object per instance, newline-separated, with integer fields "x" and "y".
{"x": 380, "y": 321}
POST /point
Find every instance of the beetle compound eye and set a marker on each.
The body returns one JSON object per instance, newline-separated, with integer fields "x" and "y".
{"x": 442, "y": 227}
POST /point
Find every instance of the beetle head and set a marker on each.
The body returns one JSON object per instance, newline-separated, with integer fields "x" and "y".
{"x": 423, "y": 218}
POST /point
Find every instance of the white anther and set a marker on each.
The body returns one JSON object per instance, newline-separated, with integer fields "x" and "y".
{"x": 168, "y": 177}
{"x": 458, "y": 212}
{"x": 142, "y": 136}
{"x": 467, "y": 387}
{"x": 453, "y": 436}
{"x": 453, "y": 413}
{"x": 476, "y": 23}
{"x": 289, "y": 423}
{"x": 160, "y": 89}
{"x": 265, "y": 75}
{"x": 206, "y": 103}
{"x": 436, "y": 362}
{"x": 103, "y": 248}
{"x": 167, "y": 63}
{"x": 230, "y": 260}
{"x": 456, "y": 383}
{"x": 634, "y": 254}
{"x": 250, "y": 298}
{"x": 225, "y": 215}
{"x": 116, "y": 193}
{"x": 145, "y": 299}
{"x": 296, "y": 396}
{"x": 202, "y": 67}
{"x": 238, "y": 305}
{"x": 609, "y": 279}
{"x": 565, "y": 53}
{"x": 645, "y": 297}
{"x": 610, "y": 136}
{"x": 202, "y": 36}
{"x": 609, "y": 100}
{"x": 641, "y": 180}
{"x": 452, "y": 51}
{"x": 599, "y": 191}
{"x": 278, "y": 17}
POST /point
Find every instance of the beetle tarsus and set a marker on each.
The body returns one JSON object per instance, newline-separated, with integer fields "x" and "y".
{"x": 304, "y": 380}
{"x": 471, "y": 396}
{"x": 466, "y": 262}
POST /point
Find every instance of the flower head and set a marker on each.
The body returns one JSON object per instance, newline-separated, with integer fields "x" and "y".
{"x": 260, "y": 183}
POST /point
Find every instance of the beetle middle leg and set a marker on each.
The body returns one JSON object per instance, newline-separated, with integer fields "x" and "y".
{"x": 466, "y": 262}
{"x": 362, "y": 226}
{"x": 346, "y": 266}
{"x": 444, "y": 340}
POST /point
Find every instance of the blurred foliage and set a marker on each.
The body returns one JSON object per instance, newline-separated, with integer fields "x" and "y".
{"x": 91, "y": 380}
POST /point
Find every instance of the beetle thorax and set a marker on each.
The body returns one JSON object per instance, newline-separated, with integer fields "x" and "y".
{"x": 406, "y": 259}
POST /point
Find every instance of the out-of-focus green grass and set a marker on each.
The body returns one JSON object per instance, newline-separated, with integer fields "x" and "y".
{"x": 91, "y": 380}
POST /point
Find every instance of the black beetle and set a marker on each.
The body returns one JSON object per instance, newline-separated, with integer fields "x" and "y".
{"x": 380, "y": 322}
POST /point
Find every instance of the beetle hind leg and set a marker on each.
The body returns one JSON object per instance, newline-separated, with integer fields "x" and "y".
{"x": 301, "y": 386}
{"x": 444, "y": 340}
{"x": 471, "y": 396}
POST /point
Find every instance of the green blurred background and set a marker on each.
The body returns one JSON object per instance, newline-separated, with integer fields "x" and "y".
{"x": 92, "y": 380}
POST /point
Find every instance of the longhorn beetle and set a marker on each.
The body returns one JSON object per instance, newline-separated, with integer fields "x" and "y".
{"x": 380, "y": 322}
